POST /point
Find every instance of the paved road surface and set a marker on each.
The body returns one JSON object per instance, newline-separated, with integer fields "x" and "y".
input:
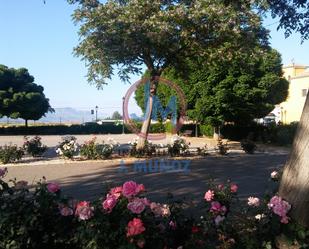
{"x": 85, "y": 180}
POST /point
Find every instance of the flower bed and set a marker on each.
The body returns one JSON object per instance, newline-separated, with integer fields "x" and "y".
{"x": 125, "y": 218}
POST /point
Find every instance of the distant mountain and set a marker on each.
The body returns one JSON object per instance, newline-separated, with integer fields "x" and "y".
{"x": 135, "y": 117}
{"x": 63, "y": 115}
{"x": 68, "y": 115}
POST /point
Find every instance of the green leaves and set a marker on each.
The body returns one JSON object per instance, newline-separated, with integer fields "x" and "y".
{"x": 19, "y": 96}
{"x": 126, "y": 35}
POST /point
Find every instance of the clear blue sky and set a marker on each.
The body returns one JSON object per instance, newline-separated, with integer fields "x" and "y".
{"x": 41, "y": 38}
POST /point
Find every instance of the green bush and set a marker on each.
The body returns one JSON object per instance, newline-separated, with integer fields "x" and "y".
{"x": 68, "y": 147}
{"x": 34, "y": 146}
{"x": 10, "y": 153}
{"x": 206, "y": 130}
{"x": 275, "y": 134}
{"x": 105, "y": 128}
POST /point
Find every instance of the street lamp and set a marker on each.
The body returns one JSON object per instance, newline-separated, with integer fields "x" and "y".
{"x": 123, "y": 98}
{"x": 96, "y": 113}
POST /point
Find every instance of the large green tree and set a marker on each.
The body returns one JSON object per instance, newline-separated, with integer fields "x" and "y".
{"x": 237, "y": 90}
{"x": 128, "y": 34}
{"x": 20, "y": 97}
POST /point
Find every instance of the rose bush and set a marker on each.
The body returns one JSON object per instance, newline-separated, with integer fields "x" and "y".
{"x": 126, "y": 219}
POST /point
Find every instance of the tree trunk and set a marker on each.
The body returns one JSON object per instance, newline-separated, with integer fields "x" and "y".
{"x": 146, "y": 124}
{"x": 26, "y": 122}
{"x": 294, "y": 185}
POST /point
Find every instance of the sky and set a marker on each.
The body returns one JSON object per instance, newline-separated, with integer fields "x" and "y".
{"x": 41, "y": 38}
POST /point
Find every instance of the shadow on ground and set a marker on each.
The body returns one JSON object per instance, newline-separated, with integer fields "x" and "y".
{"x": 250, "y": 172}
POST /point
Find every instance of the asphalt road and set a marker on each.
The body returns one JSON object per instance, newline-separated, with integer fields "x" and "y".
{"x": 86, "y": 180}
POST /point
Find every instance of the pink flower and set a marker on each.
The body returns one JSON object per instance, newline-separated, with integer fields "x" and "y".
{"x": 83, "y": 210}
{"x": 220, "y": 186}
{"x": 253, "y": 201}
{"x": 141, "y": 243}
{"x": 215, "y": 207}
{"x": 223, "y": 210}
{"x": 209, "y": 195}
{"x": 285, "y": 220}
{"x": 234, "y": 188}
{"x": 135, "y": 227}
{"x": 219, "y": 219}
{"x": 130, "y": 189}
{"x": 173, "y": 225}
{"x": 3, "y": 172}
{"x": 109, "y": 203}
{"x": 136, "y": 206}
{"x": 116, "y": 191}
{"x": 141, "y": 188}
{"x": 66, "y": 211}
{"x": 160, "y": 210}
{"x": 53, "y": 187}
{"x": 280, "y": 208}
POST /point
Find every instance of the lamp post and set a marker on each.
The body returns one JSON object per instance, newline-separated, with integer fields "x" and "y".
{"x": 123, "y": 115}
{"x": 96, "y": 113}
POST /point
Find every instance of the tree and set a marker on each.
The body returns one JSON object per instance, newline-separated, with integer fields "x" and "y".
{"x": 116, "y": 116}
{"x": 160, "y": 33}
{"x": 235, "y": 91}
{"x": 293, "y": 16}
{"x": 20, "y": 97}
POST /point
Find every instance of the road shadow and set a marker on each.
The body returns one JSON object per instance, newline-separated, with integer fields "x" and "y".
{"x": 250, "y": 172}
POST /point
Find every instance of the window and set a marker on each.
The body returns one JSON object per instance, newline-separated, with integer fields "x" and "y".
{"x": 304, "y": 92}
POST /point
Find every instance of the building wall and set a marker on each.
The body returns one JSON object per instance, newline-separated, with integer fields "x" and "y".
{"x": 291, "y": 109}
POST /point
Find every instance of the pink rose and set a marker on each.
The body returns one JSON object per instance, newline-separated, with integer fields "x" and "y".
{"x": 66, "y": 211}
{"x": 173, "y": 225}
{"x": 141, "y": 243}
{"x": 253, "y": 201}
{"x": 135, "y": 227}
{"x": 280, "y": 207}
{"x": 223, "y": 210}
{"x": 116, "y": 191}
{"x": 234, "y": 188}
{"x": 3, "y": 172}
{"x": 209, "y": 195}
{"x": 160, "y": 210}
{"x": 136, "y": 206}
{"x": 219, "y": 219}
{"x": 285, "y": 220}
{"x": 141, "y": 188}
{"x": 215, "y": 207}
{"x": 83, "y": 210}
{"x": 220, "y": 186}
{"x": 53, "y": 187}
{"x": 156, "y": 208}
{"x": 109, "y": 203}
{"x": 130, "y": 189}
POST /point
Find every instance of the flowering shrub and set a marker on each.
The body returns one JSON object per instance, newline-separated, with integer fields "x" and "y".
{"x": 126, "y": 219}
{"x": 148, "y": 150}
{"x": 91, "y": 150}
{"x": 178, "y": 146}
{"x": 68, "y": 147}
{"x": 10, "y": 153}
{"x": 34, "y": 146}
